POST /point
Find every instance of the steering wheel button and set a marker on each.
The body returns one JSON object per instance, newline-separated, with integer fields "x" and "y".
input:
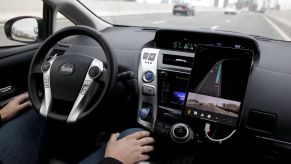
{"x": 85, "y": 87}
{"x": 148, "y": 76}
{"x": 87, "y": 82}
{"x": 93, "y": 72}
{"x": 45, "y": 66}
{"x": 82, "y": 92}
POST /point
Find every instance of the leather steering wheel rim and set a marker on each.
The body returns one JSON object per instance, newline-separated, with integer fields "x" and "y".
{"x": 49, "y": 43}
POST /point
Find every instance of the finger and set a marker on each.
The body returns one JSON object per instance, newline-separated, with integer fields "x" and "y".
{"x": 144, "y": 157}
{"x": 146, "y": 149}
{"x": 25, "y": 105}
{"x": 146, "y": 140}
{"x": 113, "y": 137}
{"x": 140, "y": 134}
{"x": 22, "y": 97}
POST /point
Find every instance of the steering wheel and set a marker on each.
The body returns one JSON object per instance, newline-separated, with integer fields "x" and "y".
{"x": 80, "y": 82}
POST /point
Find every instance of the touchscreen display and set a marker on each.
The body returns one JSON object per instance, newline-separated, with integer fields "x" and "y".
{"x": 218, "y": 83}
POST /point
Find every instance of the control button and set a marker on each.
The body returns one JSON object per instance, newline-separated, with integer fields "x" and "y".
{"x": 189, "y": 112}
{"x": 163, "y": 75}
{"x": 148, "y": 76}
{"x": 87, "y": 82}
{"x": 195, "y": 113}
{"x": 148, "y": 90}
{"x": 144, "y": 112}
{"x": 45, "y": 66}
{"x": 166, "y": 84}
{"x": 93, "y": 72}
{"x": 84, "y": 89}
{"x": 152, "y": 56}
{"x": 181, "y": 133}
{"x": 202, "y": 115}
{"x": 209, "y": 116}
{"x": 145, "y": 55}
{"x": 46, "y": 81}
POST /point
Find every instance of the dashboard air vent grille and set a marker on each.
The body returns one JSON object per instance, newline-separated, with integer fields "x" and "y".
{"x": 56, "y": 52}
{"x": 182, "y": 61}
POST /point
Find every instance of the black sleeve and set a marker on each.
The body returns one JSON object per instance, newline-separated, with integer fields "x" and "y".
{"x": 109, "y": 160}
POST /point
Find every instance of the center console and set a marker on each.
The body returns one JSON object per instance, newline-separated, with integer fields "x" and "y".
{"x": 185, "y": 84}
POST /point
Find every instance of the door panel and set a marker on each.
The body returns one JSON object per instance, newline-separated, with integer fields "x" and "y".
{"x": 14, "y": 66}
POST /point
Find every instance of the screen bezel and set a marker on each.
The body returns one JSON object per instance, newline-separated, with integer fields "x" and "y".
{"x": 219, "y": 49}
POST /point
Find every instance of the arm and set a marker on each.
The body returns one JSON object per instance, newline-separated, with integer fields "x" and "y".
{"x": 128, "y": 150}
{"x": 14, "y": 107}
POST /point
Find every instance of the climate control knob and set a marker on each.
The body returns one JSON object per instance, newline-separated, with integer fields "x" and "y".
{"x": 163, "y": 74}
{"x": 181, "y": 133}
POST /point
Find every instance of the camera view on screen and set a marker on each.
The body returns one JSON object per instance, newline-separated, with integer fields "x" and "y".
{"x": 218, "y": 83}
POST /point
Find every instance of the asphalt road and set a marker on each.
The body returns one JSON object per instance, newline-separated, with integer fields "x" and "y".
{"x": 211, "y": 83}
{"x": 250, "y": 23}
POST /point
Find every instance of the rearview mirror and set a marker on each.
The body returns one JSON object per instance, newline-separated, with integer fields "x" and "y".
{"x": 24, "y": 29}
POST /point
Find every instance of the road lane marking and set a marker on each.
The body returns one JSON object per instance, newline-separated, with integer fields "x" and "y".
{"x": 159, "y": 22}
{"x": 214, "y": 27}
{"x": 228, "y": 21}
{"x": 283, "y": 21}
{"x": 277, "y": 28}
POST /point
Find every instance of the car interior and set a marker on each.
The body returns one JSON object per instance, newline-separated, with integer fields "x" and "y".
{"x": 205, "y": 95}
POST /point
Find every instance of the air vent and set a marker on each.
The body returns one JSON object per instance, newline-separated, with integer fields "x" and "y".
{"x": 176, "y": 60}
{"x": 56, "y": 52}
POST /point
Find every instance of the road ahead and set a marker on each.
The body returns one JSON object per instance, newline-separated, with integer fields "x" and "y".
{"x": 250, "y": 23}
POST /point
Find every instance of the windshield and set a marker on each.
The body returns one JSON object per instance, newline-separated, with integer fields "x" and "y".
{"x": 268, "y": 18}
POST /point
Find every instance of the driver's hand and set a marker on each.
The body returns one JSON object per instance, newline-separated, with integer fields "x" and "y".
{"x": 130, "y": 149}
{"x": 19, "y": 103}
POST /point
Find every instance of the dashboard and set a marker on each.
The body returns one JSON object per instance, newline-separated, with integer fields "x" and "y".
{"x": 193, "y": 76}
{"x": 161, "y": 62}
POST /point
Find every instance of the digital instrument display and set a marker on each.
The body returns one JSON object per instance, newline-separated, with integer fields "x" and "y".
{"x": 178, "y": 97}
{"x": 217, "y": 84}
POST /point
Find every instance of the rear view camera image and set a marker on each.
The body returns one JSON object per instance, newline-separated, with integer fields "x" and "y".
{"x": 218, "y": 83}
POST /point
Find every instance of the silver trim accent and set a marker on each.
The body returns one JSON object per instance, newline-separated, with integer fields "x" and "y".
{"x": 174, "y": 111}
{"x": 145, "y": 65}
{"x": 273, "y": 140}
{"x": 78, "y": 106}
{"x": 186, "y": 138}
{"x": 6, "y": 89}
{"x": 46, "y": 102}
{"x": 169, "y": 70}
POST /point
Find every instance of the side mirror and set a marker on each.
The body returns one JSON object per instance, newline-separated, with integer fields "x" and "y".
{"x": 26, "y": 29}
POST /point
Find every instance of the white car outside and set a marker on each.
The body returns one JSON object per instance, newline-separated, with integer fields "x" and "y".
{"x": 231, "y": 9}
